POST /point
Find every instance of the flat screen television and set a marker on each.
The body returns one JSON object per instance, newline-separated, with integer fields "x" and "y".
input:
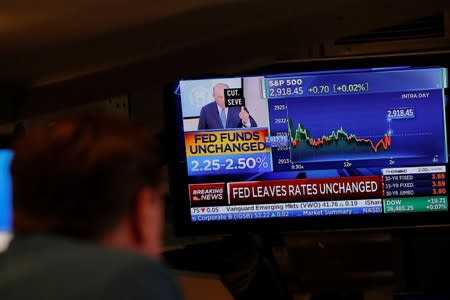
{"x": 320, "y": 145}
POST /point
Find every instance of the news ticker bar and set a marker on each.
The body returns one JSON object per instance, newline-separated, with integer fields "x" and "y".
{"x": 320, "y": 208}
{"x": 287, "y": 210}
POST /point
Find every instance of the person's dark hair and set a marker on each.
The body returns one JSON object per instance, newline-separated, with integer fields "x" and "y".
{"x": 80, "y": 176}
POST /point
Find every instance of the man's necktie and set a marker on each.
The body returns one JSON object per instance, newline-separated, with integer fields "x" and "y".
{"x": 223, "y": 117}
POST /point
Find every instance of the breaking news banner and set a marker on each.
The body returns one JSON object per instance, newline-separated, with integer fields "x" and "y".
{"x": 207, "y": 194}
{"x": 304, "y": 190}
{"x": 285, "y": 191}
{"x": 227, "y": 152}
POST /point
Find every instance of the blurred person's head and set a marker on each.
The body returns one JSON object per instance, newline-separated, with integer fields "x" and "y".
{"x": 91, "y": 178}
{"x": 219, "y": 93}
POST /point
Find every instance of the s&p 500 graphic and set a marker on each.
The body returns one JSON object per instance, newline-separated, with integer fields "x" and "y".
{"x": 363, "y": 129}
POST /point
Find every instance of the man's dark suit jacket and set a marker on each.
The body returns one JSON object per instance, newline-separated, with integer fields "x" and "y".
{"x": 210, "y": 118}
{"x": 51, "y": 268}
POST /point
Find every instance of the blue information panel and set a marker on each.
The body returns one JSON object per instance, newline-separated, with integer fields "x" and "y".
{"x": 354, "y": 83}
{"x": 229, "y": 164}
{"x": 392, "y": 118}
{"x": 5, "y": 190}
{"x": 286, "y": 214}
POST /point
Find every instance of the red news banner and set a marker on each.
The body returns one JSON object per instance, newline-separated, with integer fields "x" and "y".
{"x": 300, "y": 190}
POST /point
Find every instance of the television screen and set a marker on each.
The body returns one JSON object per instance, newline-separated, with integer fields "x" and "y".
{"x": 365, "y": 146}
{"x": 5, "y": 191}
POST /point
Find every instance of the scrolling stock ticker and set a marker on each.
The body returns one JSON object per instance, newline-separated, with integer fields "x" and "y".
{"x": 367, "y": 141}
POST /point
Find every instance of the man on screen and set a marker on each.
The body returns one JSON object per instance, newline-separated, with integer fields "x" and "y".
{"x": 216, "y": 116}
